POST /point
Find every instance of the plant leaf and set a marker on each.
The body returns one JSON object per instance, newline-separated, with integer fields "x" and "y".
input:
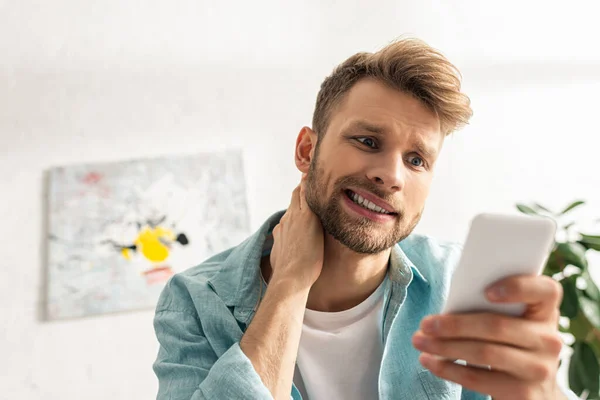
{"x": 591, "y": 290}
{"x": 553, "y": 266}
{"x": 526, "y": 209}
{"x": 575, "y": 379}
{"x": 590, "y": 242}
{"x": 569, "y": 307}
{"x": 591, "y": 309}
{"x": 590, "y": 370}
{"x": 572, "y": 206}
{"x": 572, "y": 253}
{"x": 585, "y": 370}
{"x": 541, "y": 207}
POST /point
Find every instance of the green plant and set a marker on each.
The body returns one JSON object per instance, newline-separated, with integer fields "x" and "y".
{"x": 568, "y": 264}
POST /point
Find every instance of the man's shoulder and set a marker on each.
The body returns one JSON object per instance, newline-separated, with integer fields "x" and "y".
{"x": 184, "y": 288}
{"x": 433, "y": 257}
{"x": 421, "y": 245}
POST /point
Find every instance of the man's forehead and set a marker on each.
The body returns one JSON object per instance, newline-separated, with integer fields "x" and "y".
{"x": 371, "y": 104}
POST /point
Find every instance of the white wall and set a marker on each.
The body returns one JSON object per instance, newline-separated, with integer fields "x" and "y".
{"x": 105, "y": 80}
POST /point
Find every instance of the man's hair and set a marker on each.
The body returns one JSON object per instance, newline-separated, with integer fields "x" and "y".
{"x": 408, "y": 65}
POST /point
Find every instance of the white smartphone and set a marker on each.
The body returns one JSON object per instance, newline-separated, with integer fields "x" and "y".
{"x": 498, "y": 246}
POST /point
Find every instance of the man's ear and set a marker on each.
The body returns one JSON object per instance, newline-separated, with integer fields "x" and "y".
{"x": 306, "y": 144}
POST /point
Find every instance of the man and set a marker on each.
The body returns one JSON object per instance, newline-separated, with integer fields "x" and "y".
{"x": 335, "y": 298}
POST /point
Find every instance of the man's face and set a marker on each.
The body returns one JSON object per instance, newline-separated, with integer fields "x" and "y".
{"x": 381, "y": 145}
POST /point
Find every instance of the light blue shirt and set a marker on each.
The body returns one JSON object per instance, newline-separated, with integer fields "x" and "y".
{"x": 203, "y": 312}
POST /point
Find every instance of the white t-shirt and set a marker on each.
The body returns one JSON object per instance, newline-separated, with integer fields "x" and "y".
{"x": 340, "y": 352}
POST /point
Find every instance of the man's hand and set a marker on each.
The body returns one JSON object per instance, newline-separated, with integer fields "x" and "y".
{"x": 523, "y": 352}
{"x": 272, "y": 338}
{"x": 297, "y": 253}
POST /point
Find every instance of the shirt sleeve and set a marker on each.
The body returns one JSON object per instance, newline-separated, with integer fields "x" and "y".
{"x": 470, "y": 395}
{"x": 188, "y": 369}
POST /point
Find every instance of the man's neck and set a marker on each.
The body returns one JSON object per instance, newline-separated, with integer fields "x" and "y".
{"x": 347, "y": 278}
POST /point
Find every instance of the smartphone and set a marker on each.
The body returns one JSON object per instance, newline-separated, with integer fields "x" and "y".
{"x": 498, "y": 246}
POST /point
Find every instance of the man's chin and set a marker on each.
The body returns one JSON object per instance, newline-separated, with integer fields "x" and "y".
{"x": 364, "y": 239}
{"x": 367, "y": 248}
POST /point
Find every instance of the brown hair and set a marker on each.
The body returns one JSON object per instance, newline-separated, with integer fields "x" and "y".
{"x": 409, "y": 65}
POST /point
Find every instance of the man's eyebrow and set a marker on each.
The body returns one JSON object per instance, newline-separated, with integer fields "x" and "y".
{"x": 362, "y": 125}
{"x": 424, "y": 150}
{"x": 367, "y": 126}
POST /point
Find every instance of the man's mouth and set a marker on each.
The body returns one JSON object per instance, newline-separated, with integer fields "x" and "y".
{"x": 364, "y": 203}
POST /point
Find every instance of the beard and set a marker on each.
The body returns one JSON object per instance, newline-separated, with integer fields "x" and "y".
{"x": 359, "y": 234}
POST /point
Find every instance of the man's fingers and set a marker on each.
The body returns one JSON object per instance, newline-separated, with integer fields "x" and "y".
{"x": 541, "y": 293}
{"x": 513, "y": 361}
{"x": 295, "y": 202}
{"x": 529, "y": 289}
{"x": 298, "y": 194}
{"x": 302, "y": 194}
{"x": 496, "y": 383}
{"x": 486, "y": 327}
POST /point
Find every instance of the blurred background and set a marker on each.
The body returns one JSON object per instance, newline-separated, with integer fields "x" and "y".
{"x": 97, "y": 81}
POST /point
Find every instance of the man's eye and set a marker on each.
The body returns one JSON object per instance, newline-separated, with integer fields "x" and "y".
{"x": 416, "y": 161}
{"x": 367, "y": 141}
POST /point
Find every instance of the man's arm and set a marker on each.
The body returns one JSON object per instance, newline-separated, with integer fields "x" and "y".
{"x": 272, "y": 339}
{"x": 186, "y": 366}
{"x": 261, "y": 365}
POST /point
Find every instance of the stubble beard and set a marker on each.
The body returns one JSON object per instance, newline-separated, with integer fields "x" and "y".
{"x": 360, "y": 235}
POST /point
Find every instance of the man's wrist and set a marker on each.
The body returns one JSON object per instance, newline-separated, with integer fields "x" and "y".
{"x": 293, "y": 285}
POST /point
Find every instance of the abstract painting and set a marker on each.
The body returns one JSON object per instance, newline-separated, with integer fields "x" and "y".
{"x": 119, "y": 231}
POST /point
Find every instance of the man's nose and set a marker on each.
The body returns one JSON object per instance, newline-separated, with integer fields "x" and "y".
{"x": 390, "y": 173}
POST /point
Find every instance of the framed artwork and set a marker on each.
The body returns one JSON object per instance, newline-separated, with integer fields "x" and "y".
{"x": 118, "y": 231}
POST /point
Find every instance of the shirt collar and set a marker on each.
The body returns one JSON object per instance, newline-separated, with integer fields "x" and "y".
{"x": 239, "y": 282}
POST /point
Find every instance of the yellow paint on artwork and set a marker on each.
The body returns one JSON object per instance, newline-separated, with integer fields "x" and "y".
{"x": 126, "y": 253}
{"x": 150, "y": 245}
